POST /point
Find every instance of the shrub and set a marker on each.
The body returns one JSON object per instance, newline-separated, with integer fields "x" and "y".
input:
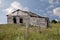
{"x": 54, "y": 21}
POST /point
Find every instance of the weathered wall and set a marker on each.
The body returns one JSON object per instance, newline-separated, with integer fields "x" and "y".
{"x": 42, "y": 22}
{"x": 9, "y": 19}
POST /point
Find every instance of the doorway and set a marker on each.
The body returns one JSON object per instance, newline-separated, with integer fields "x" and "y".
{"x": 14, "y": 20}
{"x": 21, "y": 20}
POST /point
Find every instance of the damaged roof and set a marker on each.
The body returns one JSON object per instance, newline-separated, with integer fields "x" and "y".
{"x": 29, "y": 13}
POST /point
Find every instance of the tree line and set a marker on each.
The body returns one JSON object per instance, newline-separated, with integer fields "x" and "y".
{"x": 55, "y": 21}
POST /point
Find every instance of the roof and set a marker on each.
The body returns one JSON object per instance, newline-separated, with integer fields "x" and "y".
{"x": 29, "y": 13}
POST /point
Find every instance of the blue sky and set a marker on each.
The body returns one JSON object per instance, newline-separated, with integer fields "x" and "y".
{"x": 47, "y": 8}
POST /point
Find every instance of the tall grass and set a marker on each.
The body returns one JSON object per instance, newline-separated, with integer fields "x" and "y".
{"x": 17, "y": 32}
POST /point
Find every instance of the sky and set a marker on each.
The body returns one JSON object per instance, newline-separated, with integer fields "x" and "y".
{"x": 46, "y": 8}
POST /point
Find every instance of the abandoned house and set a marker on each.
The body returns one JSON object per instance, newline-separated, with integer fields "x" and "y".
{"x": 21, "y": 17}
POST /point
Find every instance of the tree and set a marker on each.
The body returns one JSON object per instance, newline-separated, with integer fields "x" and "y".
{"x": 54, "y": 21}
{"x": 58, "y": 21}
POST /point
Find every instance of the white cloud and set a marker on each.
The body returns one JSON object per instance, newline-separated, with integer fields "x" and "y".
{"x": 53, "y": 1}
{"x": 56, "y": 11}
{"x": 57, "y": 1}
{"x": 9, "y": 10}
{"x": 15, "y": 5}
{"x": 26, "y": 9}
{"x": 50, "y": 1}
{"x": 50, "y": 7}
{"x": 0, "y": 2}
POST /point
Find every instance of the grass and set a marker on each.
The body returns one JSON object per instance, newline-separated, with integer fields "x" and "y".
{"x": 17, "y": 32}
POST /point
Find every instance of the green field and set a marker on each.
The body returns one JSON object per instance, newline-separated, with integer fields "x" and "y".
{"x": 17, "y": 32}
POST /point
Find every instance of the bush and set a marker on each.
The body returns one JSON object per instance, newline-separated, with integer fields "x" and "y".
{"x": 54, "y": 21}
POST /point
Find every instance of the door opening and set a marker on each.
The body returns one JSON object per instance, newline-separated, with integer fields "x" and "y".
{"x": 21, "y": 20}
{"x": 14, "y": 20}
